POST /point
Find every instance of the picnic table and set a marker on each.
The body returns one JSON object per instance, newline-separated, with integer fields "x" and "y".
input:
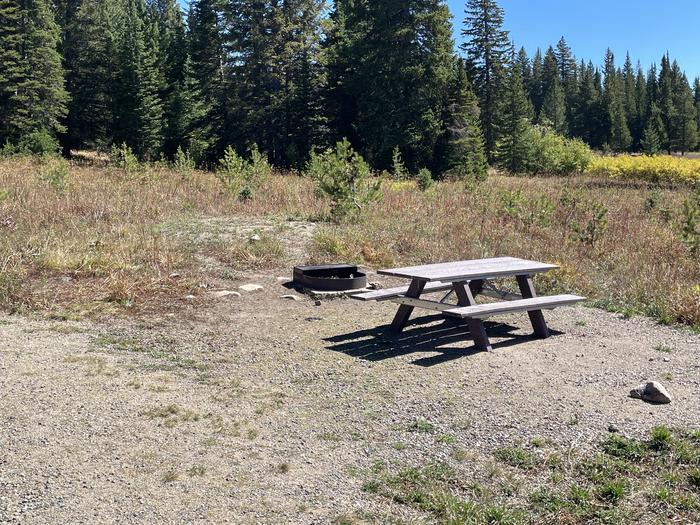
{"x": 467, "y": 280}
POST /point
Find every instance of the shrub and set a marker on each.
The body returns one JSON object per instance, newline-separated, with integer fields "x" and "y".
{"x": 657, "y": 169}
{"x": 242, "y": 177}
{"x": 54, "y": 172}
{"x": 125, "y": 159}
{"x": 183, "y": 164}
{"x": 398, "y": 169}
{"x": 555, "y": 154}
{"x": 39, "y": 142}
{"x": 425, "y": 179}
{"x": 343, "y": 177}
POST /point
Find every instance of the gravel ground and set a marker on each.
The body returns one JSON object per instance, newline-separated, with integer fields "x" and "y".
{"x": 262, "y": 410}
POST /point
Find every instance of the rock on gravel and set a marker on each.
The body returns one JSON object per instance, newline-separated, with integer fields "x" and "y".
{"x": 291, "y": 297}
{"x": 225, "y": 293}
{"x": 251, "y": 288}
{"x": 652, "y": 392}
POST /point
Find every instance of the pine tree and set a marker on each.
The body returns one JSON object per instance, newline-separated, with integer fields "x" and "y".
{"x": 460, "y": 149}
{"x": 523, "y": 63}
{"x": 91, "y": 45}
{"x": 696, "y": 98}
{"x": 513, "y": 153}
{"x": 391, "y": 64}
{"x": 654, "y": 135}
{"x": 536, "y": 85}
{"x": 174, "y": 63}
{"x": 619, "y": 138}
{"x": 488, "y": 47}
{"x": 665, "y": 101}
{"x": 206, "y": 55}
{"x": 629, "y": 96}
{"x": 553, "y": 110}
{"x": 685, "y": 125}
{"x": 568, "y": 72}
{"x": 33, "y": 97}
{"x": 150, "y": 86}
{"x": 642, "y": 107}
{"x": 590, "y": 116}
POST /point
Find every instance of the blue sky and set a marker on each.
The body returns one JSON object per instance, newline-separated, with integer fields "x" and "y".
{"x": 647, "y": 28}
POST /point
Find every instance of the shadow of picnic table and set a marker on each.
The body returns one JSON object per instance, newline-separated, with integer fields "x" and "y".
{"x": 423, "y": 335}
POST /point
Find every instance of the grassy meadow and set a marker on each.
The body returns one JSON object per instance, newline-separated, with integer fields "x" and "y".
{"x": 86, "y": 237}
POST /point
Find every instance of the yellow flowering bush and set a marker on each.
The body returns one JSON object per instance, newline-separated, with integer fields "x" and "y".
{"x": 663, "y": 168}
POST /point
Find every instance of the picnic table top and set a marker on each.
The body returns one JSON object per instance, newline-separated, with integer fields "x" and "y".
{"x": 469, "y": 270}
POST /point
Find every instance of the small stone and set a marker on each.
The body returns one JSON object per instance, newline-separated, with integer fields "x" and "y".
{"x": 190, "y": 297}
{"x": 291, "y": 297}
{"x": 374, "y": 286}
{"x": 225, "y": 293}
{"x": 317, "y": 303}
{"x": 174, "y": 275}
{"x": 254, "y": 238}
{"x": 251, "y": 288}
{"x": 667, "y": 359}
{"x": 613, "y": 428}
{"x": 652, "y": 392}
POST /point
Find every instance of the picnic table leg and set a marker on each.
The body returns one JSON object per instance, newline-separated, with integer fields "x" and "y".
{"x": 527, "y": 290}
{"x": 405, "y": 311}
{"x": 465, "y": 297}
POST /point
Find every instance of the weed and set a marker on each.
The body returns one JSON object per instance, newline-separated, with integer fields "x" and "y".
{"x": 613, "y": 491}
{"x": 421, "y": 425}
{"x": 446, "y": 439}
{"x": 663, "y": 349}
{"x": 171, "y": 476}
{"x": 54, "y": 172}
{"x": 283, "y": 468}
{"x": 694, "y": 477}
{"x": 183, "y": 164}
{"x": 196, "y": 471}
{"x": 516, "y": 457}
{"x": 595, "y": 228}
{"x": 625, "y": 448}
{"x": 660, "y": 438}
{"x": 399, "y": 445}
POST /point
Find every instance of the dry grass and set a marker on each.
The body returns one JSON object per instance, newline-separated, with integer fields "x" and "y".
{"x": 96, "y": 244}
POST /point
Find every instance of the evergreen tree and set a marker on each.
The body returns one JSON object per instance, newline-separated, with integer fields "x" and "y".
{"x": 513, "y": 153}
{"x": 174, "y": 63}
{"x": 150, "y": 86}
{"x": 523, "y": 63}
{"x": 460, "y": 149}
{"x": 642, "y": 107}
{"x": 33, "y": 97}
{"x": 654, "y": 135}
{"x": 665, "y": 101}
{"x": 536, "y": 85}
{"x": 629, "y": 96}
{"x": 206, "y": 56}
{"x": 391, "y": 64}
{"x": 568, "y": 72}
{"x": 696, "y": 98}
{"x": 553, "y": 110}
{"x": 91, "y": 44}
{"x": 619, "y": 138}
{"x": 685, "y": 125}
{"x": 488, "y": 47}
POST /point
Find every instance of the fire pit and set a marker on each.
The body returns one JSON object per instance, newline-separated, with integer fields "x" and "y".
{"x": 330, "y": 278}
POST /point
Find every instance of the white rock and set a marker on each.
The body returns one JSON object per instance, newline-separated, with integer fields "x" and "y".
{"x": 652, "y": 392}
{"x": 190, "y": 297}
{"x": 251, "y": 288}
{"x": 225, "y": 293}
{"x": 254, "y": 238}
{"x": 291, "y": 297}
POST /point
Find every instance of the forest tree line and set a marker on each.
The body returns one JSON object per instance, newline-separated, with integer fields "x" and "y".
{"x": 289, "y": 76}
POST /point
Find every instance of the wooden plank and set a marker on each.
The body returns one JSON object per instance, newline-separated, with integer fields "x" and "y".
{"x": 390, "y": 293}
{"x": 471, "y": 270}
{"x": 527, "y": 288}
{"x": 401, "y": 318}
{"x": 423, "y": 303}
{"x": 484, "y": 311}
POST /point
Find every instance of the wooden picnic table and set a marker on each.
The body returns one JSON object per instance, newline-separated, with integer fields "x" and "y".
{"x": 467, "y": 280}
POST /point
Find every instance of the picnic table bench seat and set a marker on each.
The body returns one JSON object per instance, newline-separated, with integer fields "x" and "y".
{"x": 484, "y": 311}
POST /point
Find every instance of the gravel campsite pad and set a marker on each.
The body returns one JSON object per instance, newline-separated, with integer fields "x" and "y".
{"x": 258, "y": 409}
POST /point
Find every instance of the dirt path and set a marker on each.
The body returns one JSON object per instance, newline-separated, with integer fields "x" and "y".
{"x": 263, "y": 410}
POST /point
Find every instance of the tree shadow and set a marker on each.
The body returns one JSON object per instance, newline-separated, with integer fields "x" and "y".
{"x": 421, "y": 336}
